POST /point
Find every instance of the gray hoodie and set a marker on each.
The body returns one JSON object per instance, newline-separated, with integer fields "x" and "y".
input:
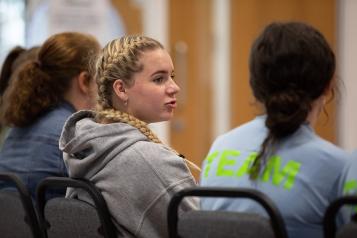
{"x": 136, "y": 177}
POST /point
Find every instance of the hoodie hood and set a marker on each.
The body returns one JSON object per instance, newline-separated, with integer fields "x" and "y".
{"x": 88, "y": 146}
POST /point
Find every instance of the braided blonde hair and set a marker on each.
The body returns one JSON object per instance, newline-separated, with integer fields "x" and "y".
{"x": 120, "y": 60}
{"x": 111, "y": 115}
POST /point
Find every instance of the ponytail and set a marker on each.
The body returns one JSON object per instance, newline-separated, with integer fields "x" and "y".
{"x": 27, "y": 96}
{"x": 7, "y": 67}
{"x": 285, "y": 113}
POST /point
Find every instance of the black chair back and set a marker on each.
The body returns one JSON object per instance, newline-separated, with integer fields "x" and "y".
{"x": 18, "y": 217}
{"x": 202, "y": 223}
{"x": 70, "y": 217}
{"x": 348, "y": 230}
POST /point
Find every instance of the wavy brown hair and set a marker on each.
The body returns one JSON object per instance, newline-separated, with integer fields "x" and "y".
{"x": 42, "y": 83}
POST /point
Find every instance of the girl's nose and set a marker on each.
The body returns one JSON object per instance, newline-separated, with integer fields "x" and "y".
{"x": 173, "y": 88}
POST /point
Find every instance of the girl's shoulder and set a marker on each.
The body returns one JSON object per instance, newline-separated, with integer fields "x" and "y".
{"x": 162, "y": 160}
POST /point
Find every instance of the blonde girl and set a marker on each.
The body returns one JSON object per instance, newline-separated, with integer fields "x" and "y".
{"x": 113, "y": 145}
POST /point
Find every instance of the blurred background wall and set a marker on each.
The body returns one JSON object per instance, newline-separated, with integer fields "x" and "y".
{"x": 209, "y": 41}
{"x": 346, "y": 35}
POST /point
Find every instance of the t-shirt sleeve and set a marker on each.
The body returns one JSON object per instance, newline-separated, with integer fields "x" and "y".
{"x": 347, "y": 185}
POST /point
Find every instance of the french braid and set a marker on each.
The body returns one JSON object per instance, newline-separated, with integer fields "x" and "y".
{"x": 111, "y": 116}
{"x": 120, "y": 60}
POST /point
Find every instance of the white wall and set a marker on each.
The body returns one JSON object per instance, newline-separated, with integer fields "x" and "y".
{"x": 47, "y": 17}
{"x": 347, "y": 72}
{"x": 221, "y": 70}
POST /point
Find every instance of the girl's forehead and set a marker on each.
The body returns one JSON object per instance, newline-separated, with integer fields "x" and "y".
{"x": 156, "y": 58}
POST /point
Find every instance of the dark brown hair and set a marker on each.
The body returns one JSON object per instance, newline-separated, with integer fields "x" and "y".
{"x": 41, "y": 83}
{"x": 6, "y": 69}
{"x": 291, "y": 65}
{"x": 14, "y": 61}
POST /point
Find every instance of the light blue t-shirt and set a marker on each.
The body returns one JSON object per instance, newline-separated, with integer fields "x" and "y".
{"x": 302, "y": 177}
{"x": 350, "y": 186}
{"x": 351, "y": 180}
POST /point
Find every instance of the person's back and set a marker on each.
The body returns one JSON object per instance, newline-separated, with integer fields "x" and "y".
{"x": 278, "y": 153}
{"x": 32, "y": 152}
{"x": 37, "y": 103}
{"x": 303, "y": 176}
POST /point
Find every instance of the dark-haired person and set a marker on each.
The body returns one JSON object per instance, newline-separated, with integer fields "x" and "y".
{"x": 14, "y": 60}
{"x": 278, "y": 153}
{"x": 38, "y": 101}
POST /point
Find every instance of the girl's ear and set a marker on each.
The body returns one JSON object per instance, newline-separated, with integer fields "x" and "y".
{"x": 120, "y": 90}
{"x": 84, "y": 82}
{"x": 331, "y": 86}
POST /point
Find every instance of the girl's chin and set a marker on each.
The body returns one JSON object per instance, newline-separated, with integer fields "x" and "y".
{"x": 163, "y": 118}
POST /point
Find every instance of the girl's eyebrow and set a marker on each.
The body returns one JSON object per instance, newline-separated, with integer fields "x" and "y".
{"x": 159, "y": 72}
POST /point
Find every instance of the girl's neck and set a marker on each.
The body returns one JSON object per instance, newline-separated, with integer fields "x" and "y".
{"x": 316, "y": 108}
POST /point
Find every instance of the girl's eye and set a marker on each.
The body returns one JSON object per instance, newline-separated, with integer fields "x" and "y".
{"x": 172, "y": 75}
{"x": 158, "y": 79}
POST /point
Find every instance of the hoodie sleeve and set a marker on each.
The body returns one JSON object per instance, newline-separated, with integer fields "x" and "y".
{"x": 139, "y": 184}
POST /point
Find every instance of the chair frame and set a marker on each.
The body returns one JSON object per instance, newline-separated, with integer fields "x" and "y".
{"x": 64, "y": 182}
{"x": 275, "y": 216}
{"x": 26, "y": 200}
{"x": 329, "y": 221}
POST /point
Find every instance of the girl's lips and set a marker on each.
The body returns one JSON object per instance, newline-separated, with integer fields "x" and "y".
{"x": 171, "y": 104}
